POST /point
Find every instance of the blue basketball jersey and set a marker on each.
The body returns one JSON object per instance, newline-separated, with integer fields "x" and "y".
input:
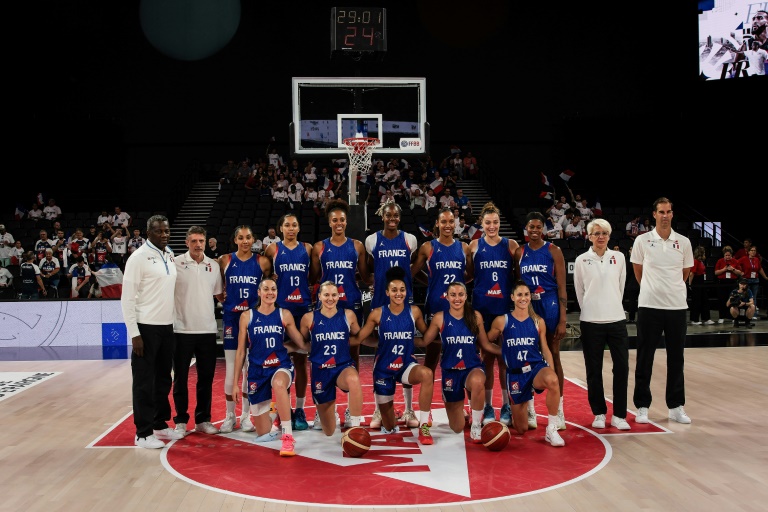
{"x": 241, "y": 282}
{"x": 265, "y": 340}
{"x": 292, "y": 269}
{"x": 396, "y": 333}
{"x": 520, "y": 343}
{"x": 339, "y": 266}
{"x": 389, "y": 253}
{"x": 493, "y": 278}
{"x": 537, "y": 270}
{"x": 446, "y": 265}
{"x": 459, "y": 348}
{"x": 329, "y": 338}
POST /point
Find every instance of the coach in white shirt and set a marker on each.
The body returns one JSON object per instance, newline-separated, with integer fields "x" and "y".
{"x": 598, "y": 278}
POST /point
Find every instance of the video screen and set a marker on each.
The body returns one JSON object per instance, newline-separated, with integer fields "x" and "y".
{"x": 727, "y": 29}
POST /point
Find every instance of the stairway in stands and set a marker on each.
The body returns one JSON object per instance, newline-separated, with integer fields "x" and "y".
{"x": 194, "y": 212}
{"x": 478, "y": 196}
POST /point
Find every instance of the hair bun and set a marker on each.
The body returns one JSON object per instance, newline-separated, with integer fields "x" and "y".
{"x": 395, "y": 274}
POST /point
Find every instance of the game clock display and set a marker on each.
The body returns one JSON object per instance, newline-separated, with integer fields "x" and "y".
{"x": 358, "y": 29}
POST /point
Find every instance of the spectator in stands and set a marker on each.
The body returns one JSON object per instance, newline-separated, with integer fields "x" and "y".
{"x": 31, "y": 282}
{"x": 575, "y": 229}
{"x": 101, "y": 249}
{"x": 257, "y": 247}
{"x": 633, "y": 227}
{"x": 585, "y": 211}
{"x": 297, "y": 184}
{"x": 556, "y": 211}
{"x": 252, "y": 182}
{"x": 554, "y": 229}
{"x": 281, "y": 181}
{"x": 120, "y": 219}
{"x": 79, "y": 245}
{"x": 462, "y": 230}
{"x": 107, "y": 229}
{"x": 213, "y": 251}
{"x": 119, "y": 247}
{"x": 271, "y": 238}
{"x": 471, "y": 168}
{"x": 265, "y": 189}
{"x": 6, "y": 284}
{"x": 227, "y": 172}
{"x": 35, "y": 213}
{"x": 80, "y": 274}
{"x": 295, "y": 195}
{"x": 645, "y": 226}
{"x": 61, "y": 248}
{"x": 699, "y": 291}
{"x": 52, "y": 211}
{"x": 103, "y": 218}
{"x": 42, "y": 244}
{"x": 430, "y": 201}
{"x": 457, "y": 164}
{"x": 310, "y": 178}
{"x": 135, "y": 241}
{"x": 310, "y": 196}
{"x": 6, "y": 244}
{"x": 49, "y": 272}
{"x": 279, "y": 194}
{"x": 727, "y": 271}
{"x": 753, "y": 270}
{"x": 17, "y": 253}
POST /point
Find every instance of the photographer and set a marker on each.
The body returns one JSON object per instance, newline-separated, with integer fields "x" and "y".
{"x": 742, "y": 303}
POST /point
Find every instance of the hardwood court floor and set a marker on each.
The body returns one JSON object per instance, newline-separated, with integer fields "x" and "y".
{"x": 717, "y": 462}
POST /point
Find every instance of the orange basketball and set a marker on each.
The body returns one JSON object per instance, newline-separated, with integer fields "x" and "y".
{"x": 495, "y": 436}
{"x": 356, "y": 441}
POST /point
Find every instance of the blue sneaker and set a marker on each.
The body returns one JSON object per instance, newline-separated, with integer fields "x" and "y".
{"x": 505, "y": 416}
{"x": 489, "y": 414}
{"x": 299, "y": 420}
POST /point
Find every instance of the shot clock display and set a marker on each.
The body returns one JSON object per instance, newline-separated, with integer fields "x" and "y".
{"x": 358, "y": 29}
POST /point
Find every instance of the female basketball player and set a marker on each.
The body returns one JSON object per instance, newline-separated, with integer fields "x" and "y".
{"x": 448, "y": 260}
{"x": 290, "y": 261}
{"x": 492, "y": 256}
{"x": 328, "y": 330}
{"x": 261, "y": 338}
{"x": 241, "y": 271}
{"x": 388, "y": 248}
{"x": 528, "y": 360}
{"x": 461, "y": 335}
{"x": 541, "y": 266}
{"x": 395, "y": 361}
{"x": 338, "y": 259}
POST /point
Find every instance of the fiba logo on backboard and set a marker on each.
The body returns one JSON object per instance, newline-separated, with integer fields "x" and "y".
{"x": 410, "y": 143}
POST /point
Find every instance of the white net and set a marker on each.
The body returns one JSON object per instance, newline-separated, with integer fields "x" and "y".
{"x": 360, "y": 150}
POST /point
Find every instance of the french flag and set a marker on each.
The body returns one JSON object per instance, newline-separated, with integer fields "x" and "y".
{"x": 110, "y": 279}
{"x": 544, "y": 179}
{"x": 437, "y": 186}
{"x": 566, "y": 175}
{"x": 424, "y": 231}
{"x": 475, "y": 231}
{"x": 545, "y": 195}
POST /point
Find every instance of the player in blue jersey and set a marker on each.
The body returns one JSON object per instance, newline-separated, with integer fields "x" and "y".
{"x": 541, "y": 266}
{"x": 241, "y": 272}
{"x": 493, "y": 258}
{"x": 387, "y": 248}
{"x": 339, "y": 259}
{"x": 462, "y": 335}
{"x": 395, "y": 361}
{"x": 447, "y": 260}
{"x": 291, "y": 263}
{"x": 528, "y": 361}
{"x": 328, "y": 330}
{"x": 262, "y": 339}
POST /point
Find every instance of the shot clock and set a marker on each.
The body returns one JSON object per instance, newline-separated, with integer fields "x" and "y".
{"x": 358, "y": 29}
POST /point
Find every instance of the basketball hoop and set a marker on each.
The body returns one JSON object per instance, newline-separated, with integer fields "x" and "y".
{"x": 360, "y": 150}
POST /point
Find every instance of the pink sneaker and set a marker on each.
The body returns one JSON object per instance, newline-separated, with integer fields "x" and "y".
{"x": 287, "y": 450}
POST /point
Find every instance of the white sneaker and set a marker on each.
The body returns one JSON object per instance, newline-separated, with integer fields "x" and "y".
{"x": 599, "y": 421}
{"x": 552, "y": 437}
{"x": 475, "y": 433}
{"x": 317, "y": 424}
{"x": 695, "y": 323}
{"x": 228, "y": 425}
{"x": 149, "y": 442}
{"x": 678, "y": 414}
{"x": 709, "y": 322}
{"x": 168, "y": 433}
{"x": 532, "y": 423}
{"x": 620, "y": 423}
{"x": 410, "y": 420}
{"x": 721, "y": 321}
{"x": 376, "y": 419}
{"x": 206, "y": 428}
{"x": 181, "y": 428}
{"x": 560, "y": 420}
{"x": 246, "y": 425}
{"x": 642, "y": 415}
